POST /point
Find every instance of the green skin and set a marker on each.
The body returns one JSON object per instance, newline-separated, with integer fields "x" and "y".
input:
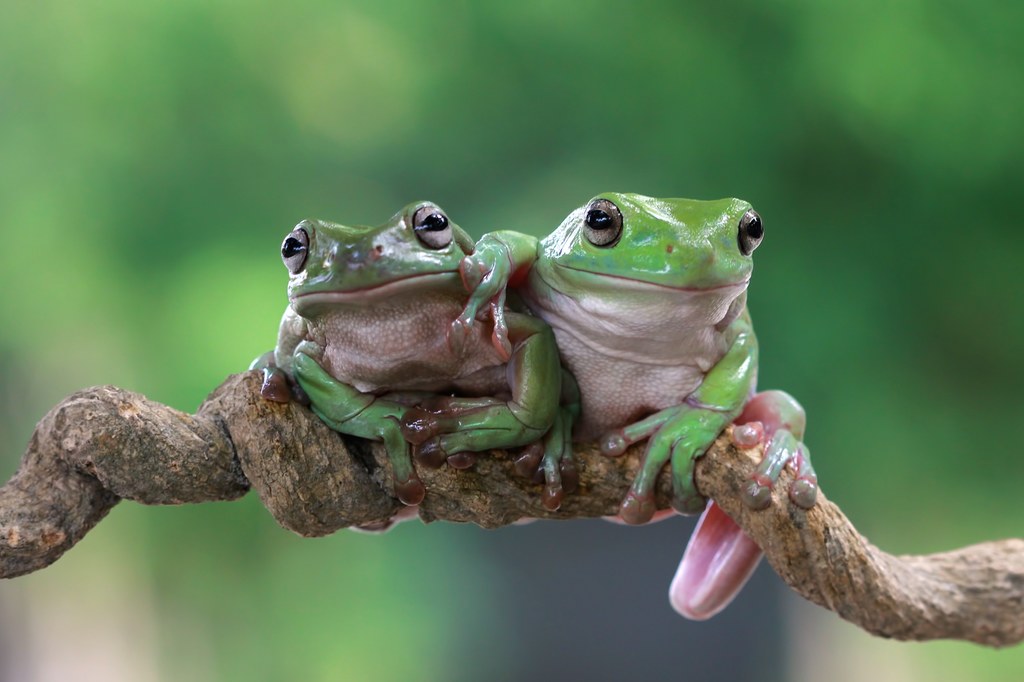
{"x": 367, "y": 338}
{"x": 652, "y": 324}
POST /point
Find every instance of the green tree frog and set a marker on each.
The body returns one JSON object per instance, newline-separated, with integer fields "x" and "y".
{"x": 367, "y": 337}
{"x": 647, "y": 299}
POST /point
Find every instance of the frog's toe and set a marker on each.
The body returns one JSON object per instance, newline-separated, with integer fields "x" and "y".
{"x": 757, "y": 493}
{"x": 553, "y": 495}
{"x": 804, "y": 492}
{"x": 527, "y": 462}
{"x": 462, "y": 460}
{"x": 410, "y": 491}
{"x": 749, "y": 435}
{"x": 431, "y": 453}
{"x": 309, "y": 348}
{"x": 459, "y": 332}
{"x": 689, "y": 504}
{"x": 419, "y": 425}
{"x": 570, "y": 475}
{"x": 613, "y": 444}
{"x": 637, "y": 509}
{"x": 275, "y": 385}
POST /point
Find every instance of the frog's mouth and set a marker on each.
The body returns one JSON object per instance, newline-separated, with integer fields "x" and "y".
{"x": 639, "y": 284}
{"x": 425, "y": 281}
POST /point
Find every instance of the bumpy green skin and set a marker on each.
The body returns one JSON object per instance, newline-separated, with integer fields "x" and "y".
{"x": 653, "y": 325}
{"x": 367, "y": 338}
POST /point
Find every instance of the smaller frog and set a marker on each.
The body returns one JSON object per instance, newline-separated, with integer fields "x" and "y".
{"x": 367, "y": 337}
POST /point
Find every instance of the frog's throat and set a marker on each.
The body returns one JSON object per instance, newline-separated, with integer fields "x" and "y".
{"x": 739, "y": 285}
{"x": 400, "y": 285}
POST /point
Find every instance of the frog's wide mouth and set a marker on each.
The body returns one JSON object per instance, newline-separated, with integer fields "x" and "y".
{"x": 635, "y": 283}
{"x": 398, "y": 285}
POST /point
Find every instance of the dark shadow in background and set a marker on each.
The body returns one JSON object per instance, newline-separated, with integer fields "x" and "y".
{"x": 587, "y": 600}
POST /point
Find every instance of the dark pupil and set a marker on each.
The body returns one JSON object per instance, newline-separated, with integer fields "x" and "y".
{"x": 755, "y": 229}
{"x": 292, "y": 247}
{"x": 598, "y": 219}
{"x": 434, "y": 222}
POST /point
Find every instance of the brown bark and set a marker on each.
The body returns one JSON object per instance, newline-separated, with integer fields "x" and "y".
{"x": 104, "y": 444}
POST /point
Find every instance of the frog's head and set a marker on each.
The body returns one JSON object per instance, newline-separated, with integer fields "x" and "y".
{"x": 677, "y": 243}
{"x": 418, "y": 249}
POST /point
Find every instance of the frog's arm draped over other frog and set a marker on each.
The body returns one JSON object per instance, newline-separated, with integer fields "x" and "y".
{"x": 367, "y": 338}
{"x": 647, "y": 298}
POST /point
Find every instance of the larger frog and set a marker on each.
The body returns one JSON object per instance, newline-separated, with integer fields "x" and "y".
{"x": 366, "y": 336}
{"x": 647, "y": 298}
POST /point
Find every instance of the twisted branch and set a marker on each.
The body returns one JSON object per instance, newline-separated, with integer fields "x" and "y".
{"x": 105, "y": 444}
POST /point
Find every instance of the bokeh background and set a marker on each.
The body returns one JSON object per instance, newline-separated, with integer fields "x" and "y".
{"x": 153, "y": 155}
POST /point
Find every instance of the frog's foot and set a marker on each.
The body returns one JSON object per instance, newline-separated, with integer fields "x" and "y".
{"x": 675, "y": 435}
{"x": 462, "y": 328}
{"x": 448, "y": 426}
{"x": 550, "y": 461}
{"x": 485, "y": 274}
{"x": 720, "y": 557}
{"x": 782, "y": 422}
{"x": 718, "y": 561}
{"x": 277, "y": 386}
{"x": 349, "y": 411}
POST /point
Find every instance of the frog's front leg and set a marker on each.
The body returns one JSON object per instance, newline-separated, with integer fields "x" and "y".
{"x": 446, "y": 426}
{"x": 277, "y": 385}
{"x": 500, "y": 258}
{"x": 683, "y": 433}
{"x": 352, "y": 412}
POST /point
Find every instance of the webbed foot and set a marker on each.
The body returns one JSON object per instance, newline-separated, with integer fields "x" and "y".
{"x": 349, "y": 411}
{"x": 277, "y": 386}
{"x": 776, "y": 417}
{"x": 720, "y": 557}
{"x": 550, "y": 461}
{"x": 485, "y": 274}
{"x": 678, "y": 435}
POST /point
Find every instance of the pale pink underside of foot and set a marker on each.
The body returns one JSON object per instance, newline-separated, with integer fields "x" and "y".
{"x": 718, "y": 561}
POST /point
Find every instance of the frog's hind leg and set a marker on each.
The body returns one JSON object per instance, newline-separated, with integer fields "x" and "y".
{"x": 550, "y": 460}
{"x": 720, "y": 558}
{"x": 783, "y": 424}
{"x": 355, "y": 413}
{"x": 474, "y": 424}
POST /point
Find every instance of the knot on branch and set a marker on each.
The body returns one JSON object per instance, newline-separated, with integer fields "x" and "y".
{"x": 105, "y": 444}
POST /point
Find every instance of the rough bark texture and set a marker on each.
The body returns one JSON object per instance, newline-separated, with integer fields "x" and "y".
{"x": 104, "y": 444}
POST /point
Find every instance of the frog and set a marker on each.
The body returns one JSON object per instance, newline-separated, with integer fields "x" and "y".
{"x": 647, "y": 300}
{"x": 365, "y": 340}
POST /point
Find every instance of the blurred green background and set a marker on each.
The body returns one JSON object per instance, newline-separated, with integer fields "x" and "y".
{"x": 154, "y": 154}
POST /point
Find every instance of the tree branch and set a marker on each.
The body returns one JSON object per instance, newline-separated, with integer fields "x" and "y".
{"x": 105, "y": 444}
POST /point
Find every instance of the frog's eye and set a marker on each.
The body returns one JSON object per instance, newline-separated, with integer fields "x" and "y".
{"x": 432, "y": 227}
{"x": 603, "y": 223}
{"x": 751, "y": 232}
{"x": 294, "y": 250}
